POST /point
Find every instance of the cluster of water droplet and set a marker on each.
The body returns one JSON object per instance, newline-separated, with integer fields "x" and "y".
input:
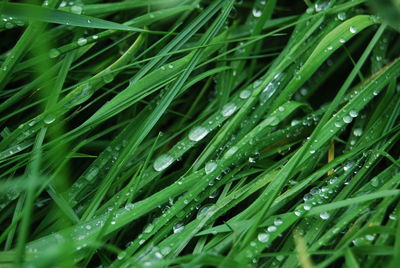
{"x": 98, "y": 168}
{"x": 198, "y": 133}
{"x": 264, "y": 235}
{"x": 7, "y": 22}
{"x": 320, "y": 195}
{"x": 321, "y": 6}
{"x": 81, "y": 41}
{"x": 364, "y": 240}
{"x": 258, "y": 8}
{"x": 346, "y": 117}
{"x": 13, "y": 150}
{"x": 174, "y": 213}
{"x": 153, "y": 255}
{"x": 297, "y": 126}
{"x": 75, "y": 7}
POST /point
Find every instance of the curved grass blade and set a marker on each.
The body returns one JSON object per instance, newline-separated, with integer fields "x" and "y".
{"x": 38, "y": 13}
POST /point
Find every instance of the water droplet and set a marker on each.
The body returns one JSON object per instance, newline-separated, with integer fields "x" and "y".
{"x": 341, "y": 16}
{"x": 202, "y": 211}
{"x": 376, "y": 92}
{"x": 231, "y": 151}
{"x": 216, "y": 192}
{"x": 295, "y": 122}
{"x": 357, "y": 132}
{"x": 257, "y": 13}
{"x": 245, "y": 94}
{"x": 170, "y": 66}
{"x": 321, "y": 6}
{"x": 272, "y": 121}
{"x": 271, "y": 228}
{"x": 315, "y": 191}
{"x": 353, "y": 113}
{"x": 342, "y": 40}
{"x": 178, "y": 227}
{"x": 308, "y": 197}
{"x": 88, "y": 227}
{"x": 333, "y": 180}
{"x": 210, "y": 167}
{"x": 353, "y": 29}
{"x": 307, "y": 207}
{"x": 270, "y": 89}
{"x": 48, "y": 119}
{"x": 298, "y": 213}
{"x": 347, "y": 119}
{"x": 82, "y": 41}
{"x": 95, "y": 37}
{"x": 370, "y": 237}
{"x": 375, "y": 182}
{"x": 107, "y": 76}
{"x": 149, "y": 227}
{"x": 304, "y": 91}
{"x": 76, "y": 10}
{"x": 257, "y": 83}
{"x": 129, "y": 206}
{"x": 9, "y": 25}
{"x": 54, "y": 53}
{"x": 281, "y": 108}
{"x": 121, "y": 255}
{"x": 228, "y": 109}
{"x": 263, "y": 237}
{"x": 329, "y": 47}
{"x": 162, "y": 162}
{"x": 312, "y": 151}
{"x": 278, "y": 221}
{"x": 165, "y": 251}
{"x": 324, "y": 215}
{"x": 198, "y": 133}
{"x": 92, "y": 173}
{"x": 253, "y": 157}
{"x": 338, "y": 124}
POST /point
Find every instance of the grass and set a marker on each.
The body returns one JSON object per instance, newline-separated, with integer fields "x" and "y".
{"x": 199, "y": 133}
